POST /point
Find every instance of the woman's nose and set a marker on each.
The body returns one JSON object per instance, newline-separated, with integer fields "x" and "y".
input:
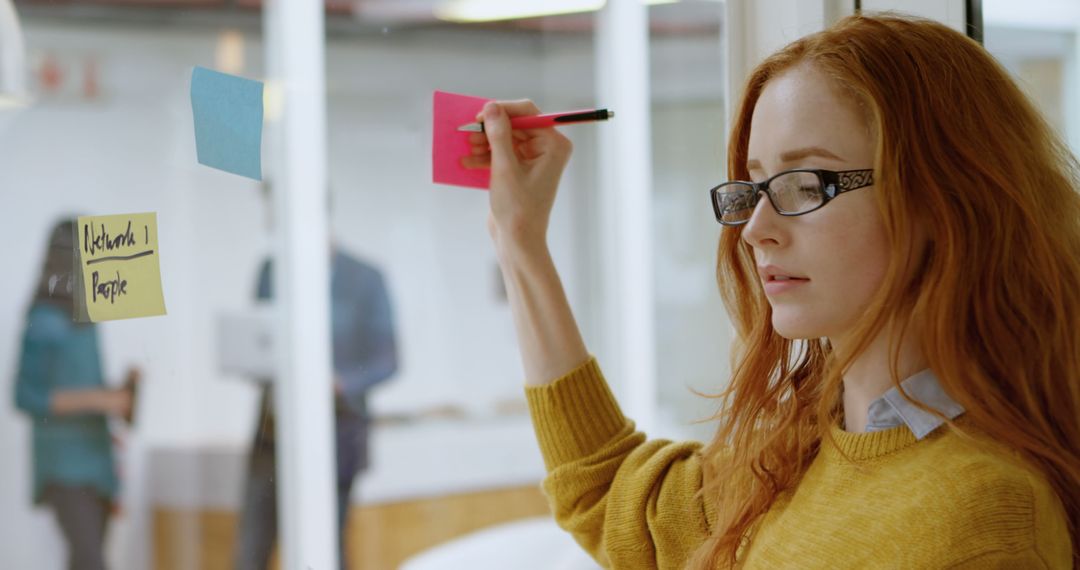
{"x": 762, "y": 229}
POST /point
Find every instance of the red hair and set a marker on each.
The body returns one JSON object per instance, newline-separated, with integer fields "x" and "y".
{"x": 963, "y": 154}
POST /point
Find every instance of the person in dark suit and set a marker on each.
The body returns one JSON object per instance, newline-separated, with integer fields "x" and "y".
{"x": 364, "y": 355}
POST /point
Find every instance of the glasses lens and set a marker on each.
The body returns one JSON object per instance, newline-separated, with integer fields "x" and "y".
{"x": 734, "y": 202}
{"x": 796, "y": 192}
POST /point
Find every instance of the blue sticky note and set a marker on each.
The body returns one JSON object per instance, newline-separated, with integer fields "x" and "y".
{"x": 228, "y": 113}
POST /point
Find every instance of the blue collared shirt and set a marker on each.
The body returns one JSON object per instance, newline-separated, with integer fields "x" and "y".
{"x": 893, "y": 410}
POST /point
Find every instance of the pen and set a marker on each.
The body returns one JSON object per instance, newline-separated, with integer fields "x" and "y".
{"x": 547, "y": 120}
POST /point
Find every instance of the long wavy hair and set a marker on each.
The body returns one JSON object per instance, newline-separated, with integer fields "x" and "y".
{"x": 962, "y": 154}
{"x": 56, "y": 282}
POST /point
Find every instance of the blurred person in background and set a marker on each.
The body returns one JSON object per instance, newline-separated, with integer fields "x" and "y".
{"x": 60, "y": 387}
{"x": 364, "y": 355}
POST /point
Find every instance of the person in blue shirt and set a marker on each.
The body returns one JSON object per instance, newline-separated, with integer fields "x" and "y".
{"x": 60, "y": 387}
{"x": 364, "y": 355}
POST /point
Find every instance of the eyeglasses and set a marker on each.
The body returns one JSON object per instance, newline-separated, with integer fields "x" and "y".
{"x": 791, "y": 193}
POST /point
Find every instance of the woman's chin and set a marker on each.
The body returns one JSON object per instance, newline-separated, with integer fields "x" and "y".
{"x": 794, "y": 329}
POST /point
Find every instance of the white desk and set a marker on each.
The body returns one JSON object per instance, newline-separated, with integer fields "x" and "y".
{"x": 529, "y": 544}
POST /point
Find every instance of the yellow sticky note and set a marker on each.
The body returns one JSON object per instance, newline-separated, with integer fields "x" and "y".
{"x": 118, "y": 258}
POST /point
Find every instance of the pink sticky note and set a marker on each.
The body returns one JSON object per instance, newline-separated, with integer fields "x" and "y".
{"x": 449, "y": 145}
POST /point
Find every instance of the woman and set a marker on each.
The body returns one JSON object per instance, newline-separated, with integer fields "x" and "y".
{"x": 901, "y": 259}
{"x": 60, "y": 387}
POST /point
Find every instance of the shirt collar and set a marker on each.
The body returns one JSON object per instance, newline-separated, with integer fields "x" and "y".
{"x": 893, "y": 410}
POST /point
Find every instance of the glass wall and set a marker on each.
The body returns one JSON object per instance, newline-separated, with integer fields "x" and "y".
{"x": 688, "y": 130}
{"x": 110, "y": 131}
{"x": 1037, "y": 42}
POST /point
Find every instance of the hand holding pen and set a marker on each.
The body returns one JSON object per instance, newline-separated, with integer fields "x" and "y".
{"x": 526, "y": 165}
{"x": 547, "y": 120}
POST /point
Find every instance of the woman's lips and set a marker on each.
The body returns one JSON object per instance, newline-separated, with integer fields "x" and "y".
{"x": 778, "y": 286}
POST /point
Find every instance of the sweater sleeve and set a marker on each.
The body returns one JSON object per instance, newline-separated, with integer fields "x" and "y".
{"x": 631, "y": 503}
{"x": 33, "y": 382}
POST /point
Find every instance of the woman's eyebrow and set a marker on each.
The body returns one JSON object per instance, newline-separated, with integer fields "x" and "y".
{"x": 793, "y": 155}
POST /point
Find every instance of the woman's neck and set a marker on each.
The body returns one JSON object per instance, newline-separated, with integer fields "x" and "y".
{"x": 868, "y": 377}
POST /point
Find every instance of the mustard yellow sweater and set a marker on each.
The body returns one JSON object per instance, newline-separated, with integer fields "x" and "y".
{"x": 942, "y": 502}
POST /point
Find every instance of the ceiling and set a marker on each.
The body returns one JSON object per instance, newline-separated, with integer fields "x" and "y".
{"x": 348, "y": 17}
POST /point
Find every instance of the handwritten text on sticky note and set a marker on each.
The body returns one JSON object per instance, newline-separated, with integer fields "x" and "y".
{"x": 121, "y": 276}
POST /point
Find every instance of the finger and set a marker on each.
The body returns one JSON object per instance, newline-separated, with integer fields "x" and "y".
{"x": 474, "y": 162}
{"x": 551, "y": 141}
{"x": 545, "y": 141}
{"x": 497, "y": 127}
{"x": 519, "y": 107}
{"x": 527, "y": 150}
{"x": 514, "y": 108}
{"x": 481, "y": 138}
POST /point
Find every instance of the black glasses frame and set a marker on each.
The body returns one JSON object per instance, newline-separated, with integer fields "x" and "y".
{"x": 833, "y": 183}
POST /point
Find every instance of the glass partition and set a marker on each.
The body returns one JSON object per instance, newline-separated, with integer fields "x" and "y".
{"x": 1037, "y": 42}
{"x": 693, "y": 333}
{"x": 110, "y": 130}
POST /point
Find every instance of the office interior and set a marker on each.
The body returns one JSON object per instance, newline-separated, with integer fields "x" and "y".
{"x": 455, "y": 471}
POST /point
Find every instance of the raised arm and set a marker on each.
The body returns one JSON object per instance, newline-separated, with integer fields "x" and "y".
{"x": 629, "y": 502}
{"x": 525, "y": 170}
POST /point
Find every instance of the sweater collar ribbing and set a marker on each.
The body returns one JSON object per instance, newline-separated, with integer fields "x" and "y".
{"x": 870, "y": 445}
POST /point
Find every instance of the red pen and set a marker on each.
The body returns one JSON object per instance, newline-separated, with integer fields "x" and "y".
{"x": 548, "y": 120}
